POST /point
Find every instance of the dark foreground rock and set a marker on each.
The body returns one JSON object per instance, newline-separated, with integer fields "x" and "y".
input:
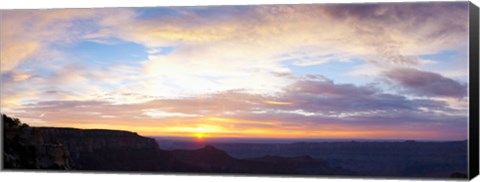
{"x": 109, "y": 150}
{"x": 25, "y": 148}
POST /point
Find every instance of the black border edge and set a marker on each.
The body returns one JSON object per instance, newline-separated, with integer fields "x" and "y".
{"x": 473, "y": 159}
{"x": 2, "y": 129}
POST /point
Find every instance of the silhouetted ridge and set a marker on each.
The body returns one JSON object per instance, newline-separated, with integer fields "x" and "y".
{"x": 303, "y": 158}
{"x": 433, "y": 159}
{"x": 112, "y": 150}
{"x": 26, "y": 148}
{"x": 69, "y": 148}
{"x": 204, "y": 156}
{"x": 97, "y": 139}
{"x": 304, "y": 164}
{"x": 216, "y": 160}
{"x": 210, "y": 150}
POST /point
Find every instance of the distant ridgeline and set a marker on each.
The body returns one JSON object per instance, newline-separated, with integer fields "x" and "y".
{"x": 108, "y": 150}
{"x": 49, "y": 148}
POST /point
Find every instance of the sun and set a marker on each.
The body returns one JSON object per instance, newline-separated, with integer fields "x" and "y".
{"x": 202, "y": 131}
{"x": 200, "y": 135}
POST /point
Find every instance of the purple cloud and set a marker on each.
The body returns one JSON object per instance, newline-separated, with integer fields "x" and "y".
{"x": 427, "y": 22}
{"x": 313, "y": 102}
{"x": 425, "y": 83}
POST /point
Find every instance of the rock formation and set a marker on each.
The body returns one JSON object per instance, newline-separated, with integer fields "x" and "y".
{"x": 110, "y": 150}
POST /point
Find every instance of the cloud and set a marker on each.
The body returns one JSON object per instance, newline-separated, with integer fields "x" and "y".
{"x": 243, "y": 42}
{"x": 162, "y": 114}
{"x": 30, "y": 34}
{"x": 399, "y": 31}
{"x": 257, "y": 41}
{"x": 424, "y": 83}
{"x": 314, "y": 105}
{"x": 383, "y": 34}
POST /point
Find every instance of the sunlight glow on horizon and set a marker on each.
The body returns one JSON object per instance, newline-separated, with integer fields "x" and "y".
{"x": 202, "y": 131}
{"x": 278, "y": 102}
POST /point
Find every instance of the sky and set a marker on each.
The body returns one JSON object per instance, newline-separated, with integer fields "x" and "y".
{"x": 336, "y": 71}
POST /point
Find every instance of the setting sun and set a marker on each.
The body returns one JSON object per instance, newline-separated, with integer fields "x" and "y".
{"x": 200, "y": 135}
